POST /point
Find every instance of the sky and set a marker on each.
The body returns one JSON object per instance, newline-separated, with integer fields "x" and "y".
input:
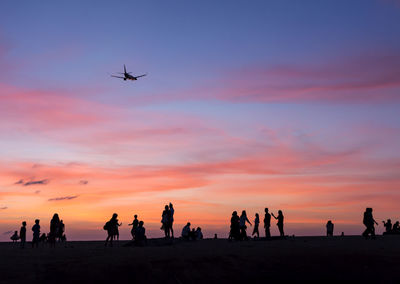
{"x": 290, "y": 105}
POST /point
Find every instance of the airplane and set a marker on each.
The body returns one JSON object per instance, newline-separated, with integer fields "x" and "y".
{"x": 128, "y": 76}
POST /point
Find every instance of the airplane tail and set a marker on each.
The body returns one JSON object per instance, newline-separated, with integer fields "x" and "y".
{"x": 124, "y": 69}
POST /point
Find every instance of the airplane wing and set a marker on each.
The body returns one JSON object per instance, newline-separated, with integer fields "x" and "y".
{"x": 117, "y": 77}
{"x": 140, "y": 76}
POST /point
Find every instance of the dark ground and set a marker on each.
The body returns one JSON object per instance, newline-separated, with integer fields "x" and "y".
{"x": 303, "y": 259}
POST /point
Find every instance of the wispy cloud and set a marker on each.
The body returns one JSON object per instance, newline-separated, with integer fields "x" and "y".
{"x": 83, "y": 182}
{"x": 32, "y": 182}
{"x": 3, "y": 208}
{"x": 8, "y": 232}
{"x": 63, "y": 198}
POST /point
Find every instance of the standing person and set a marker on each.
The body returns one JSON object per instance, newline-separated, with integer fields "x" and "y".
{"x": 54, "y": 228}
{"x": 166, "y": 220}
{"x": 256, "y": 223}
{"x": 171, "y": 223}
{"x": 329, "y": 229}
{"x": 61, "y": 229}
{"x": 267, "y": 224}
{"x": 369, "y": 223}
{"x": 242, "y": 224}
{"x": 280, "y": 222}
{"x": 112, "y": 229}
{"x": 36, "y": 233}
{"x": 235, "y": 228}
{"x": 22, "y": 234}
{"x": 135, "y": 224}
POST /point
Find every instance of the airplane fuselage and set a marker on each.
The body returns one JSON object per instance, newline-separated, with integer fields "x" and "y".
{"x": 129, "y": 77}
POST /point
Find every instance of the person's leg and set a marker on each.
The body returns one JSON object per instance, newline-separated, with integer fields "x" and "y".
{"x": 172, "y": 230}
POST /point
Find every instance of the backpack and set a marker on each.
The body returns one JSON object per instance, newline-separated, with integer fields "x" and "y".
{"x": 106, "y": 226}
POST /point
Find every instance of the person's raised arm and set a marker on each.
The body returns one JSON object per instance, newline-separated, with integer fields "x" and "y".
{"x": 272, "y": 214}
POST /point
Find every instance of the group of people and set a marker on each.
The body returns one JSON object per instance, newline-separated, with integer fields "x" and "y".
{"x": 138, "y": 231}
{"x": 391, "y": 229}
{"x": 191, "y": 234}
{"x": 57, "y": 229}
{"x": 369, "y": 222}
{"x": 238, "y": 228}
{"x": 238, "y": 225}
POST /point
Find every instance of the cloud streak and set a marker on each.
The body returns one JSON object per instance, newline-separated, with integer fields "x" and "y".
{"x": 63, "y": 198}
{"x": 33, "y": 182}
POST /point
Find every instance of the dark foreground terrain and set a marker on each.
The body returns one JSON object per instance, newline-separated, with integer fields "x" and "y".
{"x": 209, "y": 261}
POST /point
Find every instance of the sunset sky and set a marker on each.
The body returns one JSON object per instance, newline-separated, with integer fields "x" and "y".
{"x": 291, "y": 105}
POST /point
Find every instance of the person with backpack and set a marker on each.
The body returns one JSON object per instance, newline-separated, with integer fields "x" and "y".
{"x": 112, "y": 229}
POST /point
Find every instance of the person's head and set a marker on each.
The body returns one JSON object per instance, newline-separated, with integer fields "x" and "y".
{"x": 166, "y": 207}
{"x": 234, "y": 213}
{"x": 198, "y": 229}
{"x": 280, "y": 212}
{"x": 24, "y": 223}
{"x": 389, "y": 221}
{"x": 193, "y": 229}
{"x": 141, "y": 223}
{"x": 329, "y": 222}
{"x": 369, "y": 210}
{"x": 55, "y": 216}
{"x": 114, "y": 216}
{"x": 135, "y": 216}
{"x": 37, "y": 221}
{"x": 266, "y": 210}
{"x": 188, "y": 224}
{"x": 257, "y": 215}
{"x": 61, "y": 221}
{"x": 244, "y": 212}
{"x": 170, "y": 205}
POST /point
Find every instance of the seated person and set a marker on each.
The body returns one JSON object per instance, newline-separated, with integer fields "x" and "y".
{"x": 140, "y": 234}
{"x": 186, "y": 231}
{"x": 192, "y": 234}
{"x": 199, "y": 234}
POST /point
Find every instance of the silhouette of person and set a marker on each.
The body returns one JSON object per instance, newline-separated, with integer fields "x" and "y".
{"x": 61, "y": 229}
{"x": 256, "y": 224}
{"x": 267, "y": 224}
{"x": 329, "y": 228}
{"x": 15, "y": 237}
{"x": 140, "y": 234}
{"x": 22, "y": 234}
{"x": 166, "y": 221}
{"x": 369, "y": 223}
{"x": 36, "y": 233}
{"x": 280, "y": 222}
{"x": 135, "y": 225}
{"x": 186, "y": 231}
{"x": 199, "y": 234}
{"x": 235, "y": 226}
{"x": 54, "y": 228}
{"x": 242, "y": 224}
{"x": 192, "y": 234}
{"x": 112, "y": 229}
{"x": 396, "y": 228}
{"x": 171, "y": 222}
{"x": 388, "y": 226}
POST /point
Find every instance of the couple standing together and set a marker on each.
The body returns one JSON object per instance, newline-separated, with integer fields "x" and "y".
{"x": 267, "y": 223}
{"x": 167, "y": 220}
